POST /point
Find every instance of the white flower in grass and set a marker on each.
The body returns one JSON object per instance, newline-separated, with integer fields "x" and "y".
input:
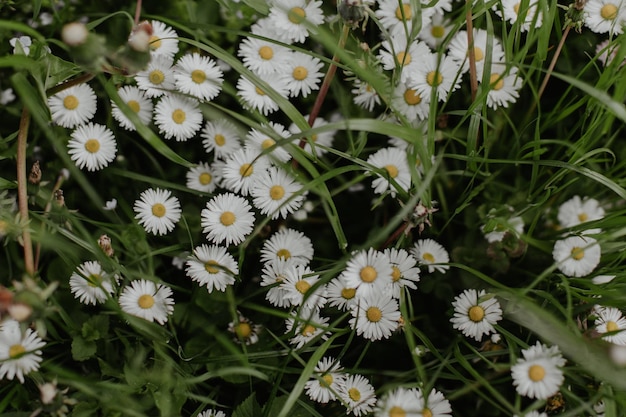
{"x": 157, "y": 211}
{"x": 294, "y": 17}
{"x": 606, "y": 52}
{"x": 458, "y": 50}
{"x": 514, "y": 225}
{"x": 320, "y": 140}
{"x": 203, "y": 178}
{"x": 138, "y": 102}
{"x": 576, "y": 211}
{"x": 198, "y": 76}
{"x": 163, "y": 41}
{"x": 147, "y": 300}
{"x": 399, "y": 402}
{"x": 227, "y": 218}
{"x": 432, "y": 254}
{"x": 475, "y": 313}
{"x": 20, "y": 352}
{"x": 435, "y": 31}
{"x": 602, "y": 279}
{"x": 266, "y": 28}
{"x": 255, "y": 98}
{"x": 110, "y": 205}
{"x": 576, "y": 256}
{"x": 435, "y": 73}
{"x": 364, "y": 95}
{"x": 272, "y": 275}
{"x": 288, "y": 244}
{"x": 397, "y": 17}
{"x": 395, "y": 166}
{"x": 611, "y": 320}
{"x": 90, "y": 284}
{"x": 369, "y": 272}
{"x": 266, "y": 146}
{"x": 262, "y": 56}
{"x": 300, "y": 285}
{"x": 6, "y": 96}
{"x": 21, "y": 45}
{"x": 605, "y": 16}
{"x": 402, "y": 55}
{"x": 220, "y": 137}
{"x": 538, "y": 374}
{"x": 178, "y": 117}
{"x": 242, "y": 169}
{"x": 435, "y": 405}
{"x": 512, "y": 11}
{"x": 213, "y": 266}
{"x": 158, "y": 77}
{"x": 244, "y": 330}
{"x": 307, "y": 325}
{"x": 73, "y": 106}
{"x": 92, "y": 146}
{"x": 276, "y": 194}
{"x": 358, "y": 395}
{"x": 327, "y": 381}
{"x": 504, "y": 86}
{"x": 212, "y": 413}
{"x": 410, "y": 103}
{"x": 534, "y": 413}
{"x": 340, "y": 295}
{"x": 405, "y": 271}
{"x": 301, "y": 74}
{"x": 375, "y": 316}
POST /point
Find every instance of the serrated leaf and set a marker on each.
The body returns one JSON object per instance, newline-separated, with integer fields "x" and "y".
{"x": 83, "y": 349}
{"x": 248, "y": 408}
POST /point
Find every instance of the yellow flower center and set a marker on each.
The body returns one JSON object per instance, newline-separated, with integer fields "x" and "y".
{"x": 243, "y": 330}
{"x": 392, "y": 170}
{"x": 205, "y": 178}
{"x": 374, "y": 314}
{"x": 404, "y": 12}
{"x": 577, "y": 253}
{"x": 437, "y": 31}
{"x": 296, "y": 15}
{"x": 145, "y": 301}
{"x": 267, "y": 143}
{"x": 608, "y": 11}
{"x": 412, "y": 97}
{"x": 476, "y": 313}
{"x": 300, "y": 73}
{"x": 155, "y": 42}
{"x": 156, "y": 77}
{"x": 395, "y": 274}
{"x": 327, "y": 380}
{"x": 434, "y": 78}
{"x": 368, "y": 274}
{"x": 198, "y": 76}
{"x": 16, "y": 351}
{"x": 94, "y": 280}
{"x": 427, "y": 413}
{"x": 348, "y": 293}
{"x": 516, "y": 8}
{"x": 220, "y": 140}
{"x": 277, "y": 192}
{"x": 314, "y": 138}
{"x": 266, "y": 52}
{"x": 227, "y": 218}
{"x": 70, "y": 102}
{"x": 536, "y": 373}
{"x": 611, "y": 326}
{"x": 246, "y": 170}
{"x": 496, "y": 81}
{"x": 209, "y": 266}
{"x": 302, "y": 286}
{"x": 404, "y": 58}
{"x": 428, "y": 257}
{"x": 582, "y": 217}
{"x": 283, "y": 253}
{"x": 178, "y": 116}
{"x": 308, "y": 330}
{"x": 354, "y": 394}
{"x": 478, "y": 54}
{"x": 134, "y": 105}
{"x": 397, "y": 412}
{"x": 158, "y": 210}
{"x": 92, "y": 145}
{"x": 259, "y": 91}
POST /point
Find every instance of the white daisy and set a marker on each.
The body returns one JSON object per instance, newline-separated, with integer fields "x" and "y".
{"x": 295, "y": 17}
{"x": 272, "y": 275}
{"x": 432, "y": 72}
{"x": 435, "y": 30}
{"x": 432, "y": 254}
{"x": 213, "y": 266}
{"x": 327, "y": 381}
{"x": 394, "y": 164}
{"x": 177, "y": 117}
{"x": 198, "y": 76}
{"x": 244, "y": 330}
{"x": 576, "y": 211}
{"x": 221, "y": 137}
{"x": 147, "y": 300}
{"x": 227, "y": 218}
{"x": 399, "y": 402}
{"x": 605, "y": 16}
{"x": 514, "y": 225}
{"x": 20, "y": 352}
{"x": 369, "y": 272}
{"x": 300, "y": 287}
{"x": 511, "y": 12}
{"x": 261, "y": 56}
{"x": 358, "y": 395}
{"x": 375, "y": 316}
{"x": 276, "y": 193}
{"x": 602, "y": 279}
{"x": 504, "y": 86}
{"x": 611, "y": 320}
{"x": 458, "y": 50}
{"x": 212, "y": 413}
{"x": 242, "y": 169}
{"x": 92, "y": 146}
{"x": 73, "y": 106}
{"x": 265, "y": 144}
{"x": 534, "y": 413}
{"x": 475, "y": 313}
{"x": 319, "y": 141}
{"x": 137, "y": 101}
{"x": 364, "y": 95}
{"x": 266, "y": 28}
{"x": 254, "y": 98}
{"x": 340, "y": 295}
{"x": 90, "y": 284}
{"x": 157, "y": 211}
{"x": 405, "y": 272}
{"x": 301, "y": 74}
{"x": 158, "y": 77}
{"x": 397, "y": 17}
{"x": 288, "y": 244}
{"x": 202, "y": 178}
{"x": 307, "y": 325}
{"x": 435, "y": 405}
{"x": 576, "y": 256}
{"x": 163, "y": 41}
{"x": 402, "y": 55}
{"x": 409, "y": 103}
{"x": 606, "y": 52}
{"x": 538, "y": 374}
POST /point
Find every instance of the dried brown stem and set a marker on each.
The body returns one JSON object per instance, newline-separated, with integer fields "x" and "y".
{"x": 470, "y": 48}
{"x": 22, "y": 193}
{"x": 137, "y": 12}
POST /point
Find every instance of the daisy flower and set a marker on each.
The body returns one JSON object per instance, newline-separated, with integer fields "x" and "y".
{"x": 276, "y": 194}
{"x": 212, "y": 413}
{"x": 410, "y": 103}
{"x": 221, "y": 137}
{"x": 158, "y": 77}
{"x": 254, "y": 98}
{"x": 611, "y": 320}
{"x": 534, "y": 413}
{"x": 511, "y": 12}
{"x": 266, "y": 146}
{"x": 364, "y": 95}
{"x": 340, "y": 295}
{"x": 261, "y": 56}
{"x": 513, "y": 225}
{"x": 198, "y": 76}
{"x": 244, "y": 330}
{"x": 376, "y": 316}
{"x": 397, "y": 17}
{"x": 307, "y": 325}
{"x": 405, "y": 272}
{"x": 435, "y": 30}
{"x": 138, "y": 102}
{"x": 576, "y": 256}
{"x": 458, "y": 50}
{"x": 242, "y": 169}
{"x": 92, "y": 146}
{"x": 157, "y": 211}
{"x": 294, "y": 17}
{"x": 163, "y": 40}
{"x": 147, "y": 300}
{"x": 606, "y": 51}
{"x": 327, "y": 381}
{"x": 538, "y": 374}
{"x": 272, "y": 275}
{"x": 266, "y": 28}
{"x": 402, "y": 55}
{"x": 475, "y": 313}
{"x": 90, "y": 284}
{"x": 227, "y": 218}
{"x": 576, "y": 211}
{"x": 20, "y": 352}
{"x": 202, "y": 178}
{"x": 369, "y": 272}
{"x": 320, "y": 140}
{"x": 504, "y": 86}
{"x": 298, "y": 283}
{"x": 358, "y": 395}
{"x": 399, "y": 402}
{"x": 73, "y": 106}
{"x": 213, "y": 266}
{"x": 301, "y": 74}
{"x": 431, "y": 72}
{"x": 605, "y": 16}
{"x": 435, "y": 405}
{"x": 177, "y": 117}
{"x": 288, "y": 244}
{"x": 393, "y": 162}
{"x": 432, "y": 254}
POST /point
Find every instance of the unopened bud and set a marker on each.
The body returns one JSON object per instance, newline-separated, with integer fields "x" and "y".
{"x": 105, "y": 244}
{"x": 35, "y": 173}
{"x": 58, "y": 197}
{"x": 139, "y": 38}
{"x": 74, "y": 34}
{"x": 48, "y": 392}
{"x": 618, "y": 354}
{"x": 20, "y": 311}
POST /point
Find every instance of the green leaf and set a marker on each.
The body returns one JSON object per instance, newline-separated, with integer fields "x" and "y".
{"x": 82, "y": 349}
{"x": 248, "y": 408}
{"x": 280, "y": 402}
{"x": 95, "y": 328}
{"x": 6, "y": 184}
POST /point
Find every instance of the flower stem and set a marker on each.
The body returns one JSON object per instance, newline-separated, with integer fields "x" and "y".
{"x": 137, "y": 12}
{"x": 56, "y": 187}
{"x": 553, "y": 62}
{"x": 470, "y": 47}
{"x": 22, "y": 195}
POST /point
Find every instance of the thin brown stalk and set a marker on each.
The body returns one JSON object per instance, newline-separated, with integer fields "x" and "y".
{"x": 70, "y": 83}
{"x": 557, "y": 53}
{"x": 470, "y": 48}
{"x": 137, "y": 12}
{"x": 47, "y": 209}
{"x": 22, "y": 193}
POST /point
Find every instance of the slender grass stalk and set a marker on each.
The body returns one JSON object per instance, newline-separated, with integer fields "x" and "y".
{"x": 557, "y": 53}
{"x": 470, "y": 48}
{"x": 22, "y": 194}
{"x": 47, "y": 209}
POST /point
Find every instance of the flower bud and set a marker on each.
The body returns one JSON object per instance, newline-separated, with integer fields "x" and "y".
{"x": 74, "y": 34}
